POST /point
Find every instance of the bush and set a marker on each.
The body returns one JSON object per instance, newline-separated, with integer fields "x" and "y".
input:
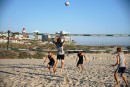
{"x": 8, "y": 54}
{"x": 39, "y": 55}
{"x": 23, "y": 55}
{"x": 108, "y": 51}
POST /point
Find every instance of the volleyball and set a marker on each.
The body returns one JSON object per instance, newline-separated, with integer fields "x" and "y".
{"x": 67, "y": 3}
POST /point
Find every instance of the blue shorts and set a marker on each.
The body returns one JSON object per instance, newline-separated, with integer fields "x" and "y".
{"x": 121, "y": 69}
{"x": 51, "y": 63}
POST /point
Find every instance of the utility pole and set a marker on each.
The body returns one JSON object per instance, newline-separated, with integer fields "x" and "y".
{"x": 8, "y": 39}
{"x": 10, "y": 19}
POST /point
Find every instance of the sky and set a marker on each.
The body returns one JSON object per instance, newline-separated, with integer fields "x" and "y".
{"x": 80, "y": 17}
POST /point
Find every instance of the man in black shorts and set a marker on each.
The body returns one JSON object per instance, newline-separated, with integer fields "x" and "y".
{"x": 80, "y": 61}
{"x": 121, "y": 62}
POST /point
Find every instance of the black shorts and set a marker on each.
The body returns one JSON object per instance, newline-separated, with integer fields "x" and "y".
{"x": 60, "y": 57}
{"x": 121, "y": 69}
{"x": 79, "y": 62}
{"x": 51, "y": 63}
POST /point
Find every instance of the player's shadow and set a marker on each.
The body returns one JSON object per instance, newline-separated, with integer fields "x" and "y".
{"x": 19, "y": 69}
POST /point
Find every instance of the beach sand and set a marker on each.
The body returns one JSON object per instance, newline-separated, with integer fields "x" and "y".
{"x": 34, "y": 73}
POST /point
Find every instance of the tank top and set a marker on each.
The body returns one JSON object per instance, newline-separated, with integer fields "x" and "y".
{"x": 80, "y": 57}
{"x": 50, "y": 58}
{"x": 60, "y": 50}
{"x": 121, "y": 59}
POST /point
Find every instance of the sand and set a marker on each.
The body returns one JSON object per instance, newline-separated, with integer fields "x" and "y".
{"x": 34, "y": 73}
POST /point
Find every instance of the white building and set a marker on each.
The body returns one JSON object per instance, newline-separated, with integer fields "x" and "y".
{"x": 65, "y": 35}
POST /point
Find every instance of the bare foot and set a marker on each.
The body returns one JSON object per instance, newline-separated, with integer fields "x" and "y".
{"x": 82, "y": 71}
{"x": 61, "y": 71}
{"x": 54, "y": 71}
{"x": 117, "y": 85}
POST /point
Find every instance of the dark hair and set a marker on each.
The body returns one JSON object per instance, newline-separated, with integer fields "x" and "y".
{"x": 59, "y": 39}
{"x": 79, "y": 52}
{"x": 49, "y": 51}
{"x": 118, "y": 49}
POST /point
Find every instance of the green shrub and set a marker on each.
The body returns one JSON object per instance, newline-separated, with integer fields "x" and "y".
{"x": 39, "y": 55}
{"x": 8, "y": 54}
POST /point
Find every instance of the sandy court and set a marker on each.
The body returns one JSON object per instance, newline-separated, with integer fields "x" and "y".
{"x": 33, "y": 73}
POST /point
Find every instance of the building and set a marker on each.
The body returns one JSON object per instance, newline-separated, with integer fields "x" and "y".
{"x": 15, "y": 37}
{"x": 24, "y": 33}
{"x": 37, "y": 36}
{"x": 49, "y": 37}
{"x": 65, "y": 35}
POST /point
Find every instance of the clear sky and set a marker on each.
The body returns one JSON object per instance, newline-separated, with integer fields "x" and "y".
{"x": 81, "y": 17}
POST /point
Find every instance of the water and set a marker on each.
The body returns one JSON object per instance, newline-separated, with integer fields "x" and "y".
{"x": 101, "y": 41}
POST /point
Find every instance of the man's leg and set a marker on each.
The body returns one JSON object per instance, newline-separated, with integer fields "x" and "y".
{"x": 51, "y": 70}
{"x": 82, "y": 68}
{"x": 123, "y": 76}
{"x": 62, "y": 65}
{"x": 55, "y": 66}
{"x": 116, "y": 78}
{"x": 48, "y": 66}
{"x": 79, "y": 67}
